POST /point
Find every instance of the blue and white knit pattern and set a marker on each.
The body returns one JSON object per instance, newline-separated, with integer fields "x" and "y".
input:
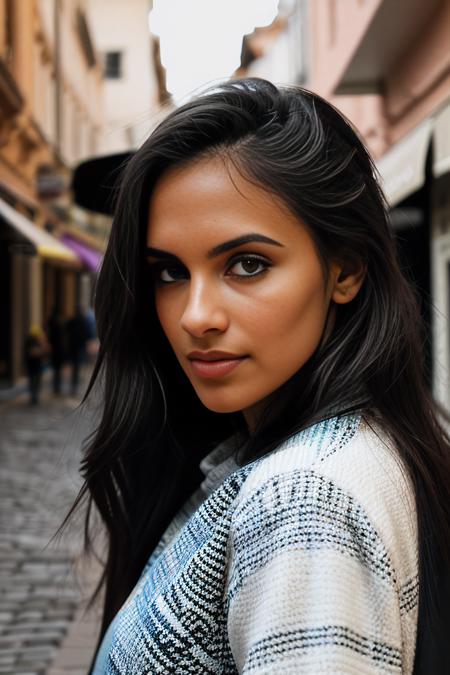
{"x": 304, "y": 562}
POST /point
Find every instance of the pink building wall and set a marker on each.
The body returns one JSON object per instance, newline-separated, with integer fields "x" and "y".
{"x": 336, "y": 29}
{"x": 420, "y": 81}
{"x": 416, "y": 85}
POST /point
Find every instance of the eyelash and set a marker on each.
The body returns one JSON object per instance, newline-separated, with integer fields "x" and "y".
{"x": 158, "y": 267}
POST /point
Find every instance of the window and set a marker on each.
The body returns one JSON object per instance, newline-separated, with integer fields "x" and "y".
{"x": 113, "y": 65}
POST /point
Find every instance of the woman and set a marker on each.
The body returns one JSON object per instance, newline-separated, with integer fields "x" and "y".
{"x": 269, "y": 464}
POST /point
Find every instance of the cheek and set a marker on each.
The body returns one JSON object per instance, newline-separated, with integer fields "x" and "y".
{"x": 290, "y": 325}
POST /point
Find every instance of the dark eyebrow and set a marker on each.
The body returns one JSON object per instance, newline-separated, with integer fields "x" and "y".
{"x": 220, "y": 248}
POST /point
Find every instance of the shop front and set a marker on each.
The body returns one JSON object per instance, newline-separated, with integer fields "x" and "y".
{"x": 415, "y": 175}
{"x": 36, "y": 271}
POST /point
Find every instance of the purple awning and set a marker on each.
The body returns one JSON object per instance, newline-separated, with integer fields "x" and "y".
{"x": 88, "y": 255}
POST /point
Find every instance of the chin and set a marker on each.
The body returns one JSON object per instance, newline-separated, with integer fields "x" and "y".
{"x": 223, "y": 404}
{"x": 221, "y": 407}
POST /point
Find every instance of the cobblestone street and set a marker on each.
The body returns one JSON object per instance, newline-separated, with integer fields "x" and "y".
{"x": 41, "y": 592}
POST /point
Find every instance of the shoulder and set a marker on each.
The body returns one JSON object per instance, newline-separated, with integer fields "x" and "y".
{"x": 322, "y": 553}
{"x": 345, "y": 479}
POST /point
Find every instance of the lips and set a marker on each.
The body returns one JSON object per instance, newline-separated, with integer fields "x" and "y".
{"x": 214, "y": 355}
{"x": 215, "y": 367}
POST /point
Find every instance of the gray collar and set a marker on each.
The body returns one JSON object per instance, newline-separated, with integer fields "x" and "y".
{"x": 218, "y": 464}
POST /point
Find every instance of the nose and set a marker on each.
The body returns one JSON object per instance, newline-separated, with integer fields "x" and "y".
{"x": 204, "y": 310}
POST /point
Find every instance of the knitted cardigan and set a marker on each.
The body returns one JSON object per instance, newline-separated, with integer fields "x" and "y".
{"x": 304, "y": 561}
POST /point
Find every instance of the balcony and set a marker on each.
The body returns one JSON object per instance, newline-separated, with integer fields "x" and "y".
{"x": 394, "y": 26}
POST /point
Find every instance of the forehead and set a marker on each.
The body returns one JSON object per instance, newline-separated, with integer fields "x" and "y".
{"x": 210, "y": 198}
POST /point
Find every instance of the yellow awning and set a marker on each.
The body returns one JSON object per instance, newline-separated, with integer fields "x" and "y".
{"x": 46, "y": 245}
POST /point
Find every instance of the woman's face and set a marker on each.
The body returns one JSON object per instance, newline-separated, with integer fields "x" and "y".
{"x": 234, "y": 271}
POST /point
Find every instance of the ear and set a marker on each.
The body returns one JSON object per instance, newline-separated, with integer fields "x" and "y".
{"x": 348, "y": 277}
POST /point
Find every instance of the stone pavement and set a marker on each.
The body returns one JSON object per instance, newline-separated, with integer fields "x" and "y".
{"x": 43, "y": 589}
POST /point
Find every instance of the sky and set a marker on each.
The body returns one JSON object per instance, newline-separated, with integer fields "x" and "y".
{"x": 201, "y": 40}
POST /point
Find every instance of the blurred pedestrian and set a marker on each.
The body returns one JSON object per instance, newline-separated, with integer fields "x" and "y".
{"x": 77, "y": 332}
{"x": 35, "y": 350}
{"x": 56, "y": 338}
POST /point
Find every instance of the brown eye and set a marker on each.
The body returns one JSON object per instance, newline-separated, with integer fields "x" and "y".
{"x": 248, "y": 266}
{"x": 163, "y": 273}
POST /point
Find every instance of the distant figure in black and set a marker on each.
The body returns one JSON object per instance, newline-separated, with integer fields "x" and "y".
{"x": 35, "y": 349}
{"x": 78, "y": 333}
{"x": 56, "y": 337}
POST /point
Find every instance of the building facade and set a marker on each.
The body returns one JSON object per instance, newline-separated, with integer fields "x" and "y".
{"x": 278, "y": 52}
{"x": 51, "y": 111}
{"x": 132, "y": 79}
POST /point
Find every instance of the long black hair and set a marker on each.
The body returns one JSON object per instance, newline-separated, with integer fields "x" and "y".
{"x": 141, "y": 462}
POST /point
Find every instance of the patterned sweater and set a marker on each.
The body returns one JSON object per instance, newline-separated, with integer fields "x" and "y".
{"x": 304, "y": 561}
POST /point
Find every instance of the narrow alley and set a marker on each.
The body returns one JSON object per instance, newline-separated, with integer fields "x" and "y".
{"x": 42, "y": 588}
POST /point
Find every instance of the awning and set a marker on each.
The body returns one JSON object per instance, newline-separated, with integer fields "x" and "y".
{"x": 91, "y": 258}
{"x": 45, "y": 244}
{"x": 402, "y": 168}
{"x": 441, "y": 145}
